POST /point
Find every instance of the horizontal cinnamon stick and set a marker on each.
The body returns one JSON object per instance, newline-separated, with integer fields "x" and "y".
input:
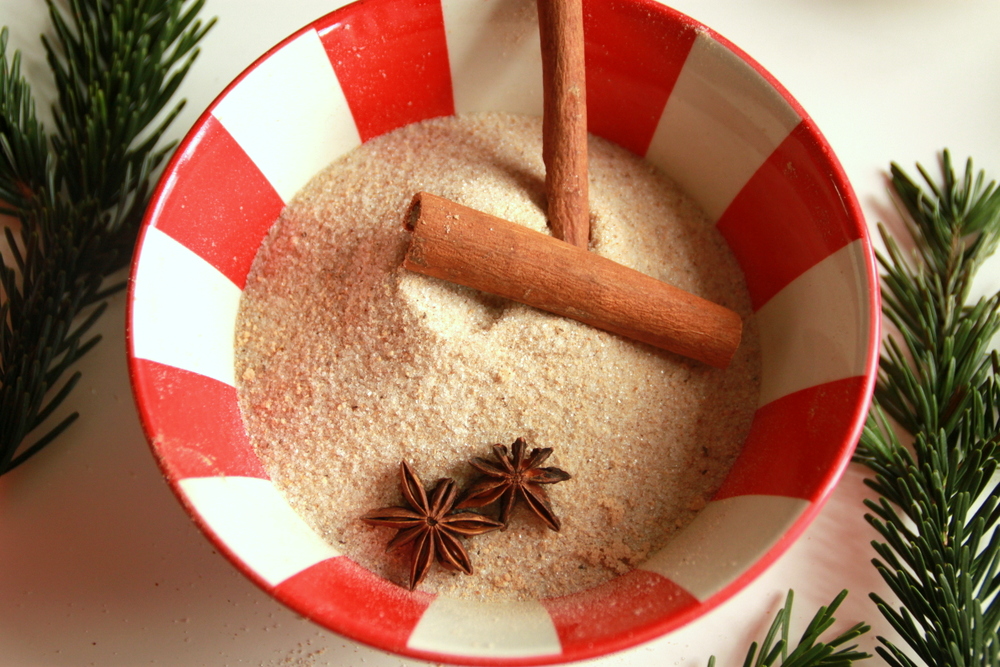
{"x": 471, "y": 248}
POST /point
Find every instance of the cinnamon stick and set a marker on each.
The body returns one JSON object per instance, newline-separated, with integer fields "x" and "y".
{"x": 471, "y": 248}
{"x": 564, "y": 119}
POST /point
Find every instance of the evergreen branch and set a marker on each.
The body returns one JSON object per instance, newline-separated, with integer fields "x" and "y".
{"x": 79, "y": 194}
{"x": 939, "y": 503}
{"x": 809, "y": 651}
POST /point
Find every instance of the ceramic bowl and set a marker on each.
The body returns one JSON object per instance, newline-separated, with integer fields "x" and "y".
{"x": 659, "y": 84}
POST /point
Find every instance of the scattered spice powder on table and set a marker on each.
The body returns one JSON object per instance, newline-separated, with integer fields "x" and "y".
{"x": 348, "y": 364}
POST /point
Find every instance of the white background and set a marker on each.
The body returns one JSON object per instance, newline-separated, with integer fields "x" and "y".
{"x": 99, "y": 565}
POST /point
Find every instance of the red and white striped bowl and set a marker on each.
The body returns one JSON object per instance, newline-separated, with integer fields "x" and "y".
{"x": 659, "y": 84}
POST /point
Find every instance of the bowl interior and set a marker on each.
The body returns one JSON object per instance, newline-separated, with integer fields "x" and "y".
{"x": 659, "y": 84}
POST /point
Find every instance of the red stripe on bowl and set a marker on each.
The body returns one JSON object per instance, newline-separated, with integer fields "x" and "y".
{"x": 628, "y": 606}
{"x": 796, "y": 442}
{"x": 194, "y": 423}
{"x": 391, "y": 59}
{"x": 790, "y": 215}
{"x": 345, "y": 597}
{"x": 217, "y": 202}
{"x": 627, "y": 89}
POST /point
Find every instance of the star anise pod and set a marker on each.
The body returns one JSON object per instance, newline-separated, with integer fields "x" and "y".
{"x": 430, "y": 525}
{"x": 514, "y": 475}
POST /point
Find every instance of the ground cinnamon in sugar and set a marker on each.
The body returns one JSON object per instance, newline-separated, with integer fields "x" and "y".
{"x": 348, "y": 364}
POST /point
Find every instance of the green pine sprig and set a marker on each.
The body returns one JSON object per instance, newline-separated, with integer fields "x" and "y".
{"x": 809, "y": 651}
{"x": 78, "y": 194}
{"x": 938, "y": 500}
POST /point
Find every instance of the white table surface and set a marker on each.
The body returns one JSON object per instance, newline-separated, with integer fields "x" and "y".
{"x": 99, "y": 565}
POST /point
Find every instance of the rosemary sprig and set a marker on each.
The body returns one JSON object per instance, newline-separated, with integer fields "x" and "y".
{"x": 938, "y": 504}
{"x": 80, "y": 193}
{"x": 809, "y": 651}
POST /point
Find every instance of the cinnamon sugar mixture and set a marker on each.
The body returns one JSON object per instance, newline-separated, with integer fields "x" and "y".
{"x": 348, "y": 364}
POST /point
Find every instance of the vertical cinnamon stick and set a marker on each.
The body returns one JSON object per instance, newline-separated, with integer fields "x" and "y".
{"x": 471, "y": 248}
{"x": 564, "y": 119}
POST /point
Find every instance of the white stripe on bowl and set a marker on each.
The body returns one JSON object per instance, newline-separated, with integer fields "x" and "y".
{"x": 725, "y": 539}
{"x": 493, "y": 629}
{"x": 183, "y": 310}
{"x": 494, "y": 41}
{"x": 252, "y": 518}
{"x": 722, "y": 121}
{"x": 290, "y": 115}
{"x": 815, "y": 330}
